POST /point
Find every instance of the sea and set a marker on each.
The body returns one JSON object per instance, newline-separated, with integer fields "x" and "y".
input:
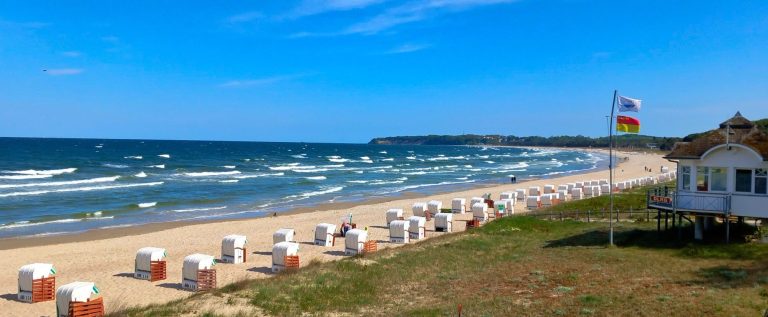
{"x": 54, "y": 186}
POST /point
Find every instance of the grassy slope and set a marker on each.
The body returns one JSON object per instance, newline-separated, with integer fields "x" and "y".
{"x": 513, "y": 266}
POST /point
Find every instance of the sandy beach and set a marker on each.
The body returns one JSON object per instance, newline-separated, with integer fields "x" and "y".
{"x": 107, "y": 257}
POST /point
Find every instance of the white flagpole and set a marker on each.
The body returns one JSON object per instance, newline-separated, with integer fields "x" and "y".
{"x": 610, "y": 167}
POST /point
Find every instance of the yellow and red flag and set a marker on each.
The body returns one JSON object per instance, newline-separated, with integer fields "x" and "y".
{"x": 627, "y": 124}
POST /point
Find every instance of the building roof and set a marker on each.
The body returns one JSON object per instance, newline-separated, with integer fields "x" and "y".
{"x": 742, "y": 131}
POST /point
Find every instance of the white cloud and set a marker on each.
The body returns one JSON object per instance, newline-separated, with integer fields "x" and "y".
{"x": 257, "y": 81}
{"x": 244, "y": 17}
{"x": 407, "y": 48}
{"x": 63, "y": 71}
{"x": 313, "y": 7}
{"x": 71, "y": 54}
{"x": 415, "y": 11}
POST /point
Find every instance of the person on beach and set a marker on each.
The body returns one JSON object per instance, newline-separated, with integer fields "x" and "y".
{"x": 345, "y": 226}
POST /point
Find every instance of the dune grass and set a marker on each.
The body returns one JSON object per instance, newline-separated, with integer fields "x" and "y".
{"x": 511, "y": 267}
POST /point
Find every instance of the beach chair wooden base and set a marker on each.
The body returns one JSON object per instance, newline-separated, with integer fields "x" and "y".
{"x": 428, "y": 215}
{"x": 245, "y": 253}
{"x": 91, "y": 308}
{"x": 370, "y": 246}
{"x": 206, "y": 280}
{"x": 292, "y": 262}
{"x": 43, "y": 289}
{"x": 498, "y": 215}
{"x": 474, "y": 223}
{"x": 157, "y": 271}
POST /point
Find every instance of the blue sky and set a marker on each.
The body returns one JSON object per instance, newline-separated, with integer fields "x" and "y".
{"x": 347, "y": 71}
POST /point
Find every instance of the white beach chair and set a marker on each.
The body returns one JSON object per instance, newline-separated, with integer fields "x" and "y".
{"x": 36, "y": 282}
{"x": 394, "y": 214}
{"x": 399, "y": 231}
{"x": 280, "y": 252}
{"x": 416, "y": 229}
{"x": 444, "y": 222}
{"x": 458, "y": 206}
{"x": 324, "y": 234}
{"x": 233, "y": 249}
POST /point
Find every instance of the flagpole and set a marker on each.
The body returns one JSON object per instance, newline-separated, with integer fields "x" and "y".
{"x": 610, "y": 168}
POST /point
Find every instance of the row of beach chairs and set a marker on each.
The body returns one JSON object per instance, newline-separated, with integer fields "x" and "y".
{"x": 37, "y": 281}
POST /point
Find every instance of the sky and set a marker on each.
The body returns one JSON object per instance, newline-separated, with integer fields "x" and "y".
{"x": 348, "y": 71}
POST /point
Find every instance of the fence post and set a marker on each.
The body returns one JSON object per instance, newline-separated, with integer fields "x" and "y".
{"x": 630, "y": 212}
{"x": 588, "y": 212}
{"x": 647, "y": 215}
{"x": 561, "y": 216}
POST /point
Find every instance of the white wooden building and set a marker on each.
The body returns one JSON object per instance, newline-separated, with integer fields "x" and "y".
{"x": 722, "y": 173}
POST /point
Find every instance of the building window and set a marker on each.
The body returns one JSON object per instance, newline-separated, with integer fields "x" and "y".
{"x": 702, "y": 179}
{"x": 685, "y": 178}
{"x": 744, "y": 181}
{"x": 718, "y": 179}
{"x": 761, "y": 180}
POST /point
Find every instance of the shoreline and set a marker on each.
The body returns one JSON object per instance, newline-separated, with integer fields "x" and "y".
{"x": 24, "y": 241}
{"x": 108, "y": 260}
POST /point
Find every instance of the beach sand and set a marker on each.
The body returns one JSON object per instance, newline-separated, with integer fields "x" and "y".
{"x": 107, "y": 256}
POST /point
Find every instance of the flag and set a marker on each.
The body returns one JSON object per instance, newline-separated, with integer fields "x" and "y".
{"x": 627, "y": 124}
{"x": 629, "y": 104}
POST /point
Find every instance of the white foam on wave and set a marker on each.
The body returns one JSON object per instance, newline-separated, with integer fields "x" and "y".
{"x": 383, "y": 152}
{"x": 415, "y": 173}
{"x": 157, "y": 166}
{"x": 147, "y": 205}
{"x": 314, "y": 170}
{"x": 164, "y": 155}
{"x": 389, "y": 159}
{"x": 24, "y": 176}
{"x": 44, "y": 172}
{"x": 141, "y": 174}
{"x": 316, "y": 193}
{"x": 338, "y": 160}
{"x": 110, "y": 165}
{"x": 410, "y": 157}
{"x": 299, "y": 156}
{"x": 22, "y": 224}
{"x": 199, "y": 209}
{"x": 64, "y": 183}
{"x": 229, "y": 167}
{"x": 358, "y": 181}
{"x": 515, "y": 166}
{"x": 490, "y": 162}
{"x": 78, "y": 189}
{"x": 134, "y": 157}
{"x": 229, "y": 181}
{"x": 316, "y": 178}
{"x": 291, "y": 167}
{"x": 204, "y": 174}
{"x": 446, "y": 158}
{"x": 259, "y": 175}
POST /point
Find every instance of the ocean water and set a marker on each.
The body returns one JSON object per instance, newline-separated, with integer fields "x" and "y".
{"x": 55, "y": 186}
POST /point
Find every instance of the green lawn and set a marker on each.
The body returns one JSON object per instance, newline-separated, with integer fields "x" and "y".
{"x": 516, "y": 266}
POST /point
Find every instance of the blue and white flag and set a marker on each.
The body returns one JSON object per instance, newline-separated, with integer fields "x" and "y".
{"x": 629, "y": 104}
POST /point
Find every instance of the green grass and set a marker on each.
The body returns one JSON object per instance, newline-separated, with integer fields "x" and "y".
{"x": 514, "y": 266}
